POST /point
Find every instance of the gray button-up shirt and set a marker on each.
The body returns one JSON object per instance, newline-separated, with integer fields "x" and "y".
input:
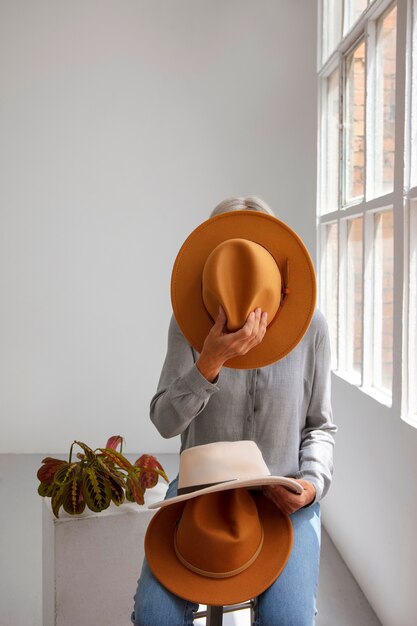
{"x": 283, "y": 407}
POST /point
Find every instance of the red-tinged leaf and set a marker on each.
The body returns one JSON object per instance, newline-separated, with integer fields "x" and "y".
{"x": 110, "y": 470}
{"x": 135, "y": 488}
{"x": 89, "y": 453}
{"x": 148, "y": 479}
{"x": 47, "y": 471}
{"x": 116, "y": 458}
{"x": 114, "y": 442}
{"x": 148, "y": 462}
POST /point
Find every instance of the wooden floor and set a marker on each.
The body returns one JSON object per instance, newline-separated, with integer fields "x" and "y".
{"x": 340, "y": 601}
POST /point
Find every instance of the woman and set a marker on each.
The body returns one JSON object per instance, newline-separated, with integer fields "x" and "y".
{"x": 285, "y": 408}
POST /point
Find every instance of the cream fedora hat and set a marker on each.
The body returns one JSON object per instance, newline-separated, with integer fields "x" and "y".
{"x": 220, "y": 466}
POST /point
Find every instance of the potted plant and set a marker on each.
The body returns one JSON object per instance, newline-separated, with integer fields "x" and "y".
{"x": 99, "y": 477}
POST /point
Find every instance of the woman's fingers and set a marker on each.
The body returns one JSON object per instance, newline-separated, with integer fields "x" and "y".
{"x": 287, "y": 501}
{"x": 252, "y": 333}
{"x": 221, "y": 345}
{"x": 219, "y": 324}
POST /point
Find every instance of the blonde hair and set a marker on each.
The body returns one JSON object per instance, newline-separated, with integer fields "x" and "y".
{"x": 250, "y": 203}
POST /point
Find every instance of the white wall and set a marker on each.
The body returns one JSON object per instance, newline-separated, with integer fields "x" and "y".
{"x": 371, "y": 510}
{"x": 122, "y": 124}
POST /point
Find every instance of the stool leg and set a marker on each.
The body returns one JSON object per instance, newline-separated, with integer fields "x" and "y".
{"x": 214, "y": 616}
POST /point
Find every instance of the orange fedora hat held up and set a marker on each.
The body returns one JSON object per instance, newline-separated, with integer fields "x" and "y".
{"x": 218, "y": 541}
{"x": 242, "y": 260}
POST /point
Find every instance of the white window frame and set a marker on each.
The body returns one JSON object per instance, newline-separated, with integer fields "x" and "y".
{"x": 398, "y": 200}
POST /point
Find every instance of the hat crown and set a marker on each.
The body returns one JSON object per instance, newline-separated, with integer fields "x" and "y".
{"x": 219, "y": 534}
{"x": 219, "y": 462}
{"x": 241, "y": 275}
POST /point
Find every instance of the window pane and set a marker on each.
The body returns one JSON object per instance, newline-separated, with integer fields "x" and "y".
{"x": 330, "y": 180}
{"x": 413, "y": 181}
{"x": 412, "y": 315}
{"x": 329, "y": 279}
{"x": 383, "y": 283}
{"x": 332, "y": 26}
{"x": 353, "y": 9}
{"x": 353, "y": 334}
{"x": 384, "y": 105}
{"x": 354, "y": 127}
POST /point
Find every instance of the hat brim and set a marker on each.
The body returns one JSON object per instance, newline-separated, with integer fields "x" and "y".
{"x": 293, "y": 317}
{"x": 253, "y": 483}
{"x": 161, "y": 557}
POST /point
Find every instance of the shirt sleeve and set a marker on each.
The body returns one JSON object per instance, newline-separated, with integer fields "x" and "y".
{"x": 182, "y": 392}
{"x": 317, "y": 441}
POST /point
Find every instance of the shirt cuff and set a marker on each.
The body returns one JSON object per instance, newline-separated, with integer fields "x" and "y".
{"x": 316, "y": 484}
{"x": 199, "y": 385}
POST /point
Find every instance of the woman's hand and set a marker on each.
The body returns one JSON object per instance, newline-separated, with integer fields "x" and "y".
{"x": 220, "y": 346}
{"x": 287, "y": 501}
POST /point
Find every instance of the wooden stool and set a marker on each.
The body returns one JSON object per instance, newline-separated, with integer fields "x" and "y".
{"x": 214, "y": 614}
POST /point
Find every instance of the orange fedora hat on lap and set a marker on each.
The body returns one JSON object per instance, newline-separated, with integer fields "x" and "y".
{"x": 218, "y": 541}
{"x": 242, "y": 260}
{"x": 221, "y": 548}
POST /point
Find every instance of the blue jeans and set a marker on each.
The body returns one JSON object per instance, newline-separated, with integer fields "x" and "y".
{"x": 289, "y": 601}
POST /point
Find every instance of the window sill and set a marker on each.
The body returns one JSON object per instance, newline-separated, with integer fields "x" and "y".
{"x": 381, "y": 397}
{"x": 411, "y": 420}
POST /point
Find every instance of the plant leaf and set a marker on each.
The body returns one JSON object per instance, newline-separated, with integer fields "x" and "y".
{"x": 95, "y": 488}
{"x": 148, "y": 479}
{"x": 72, "y": 500}
{"x": 47, "y": 471}
{"x": 89, "y": 453}
{"x": 136, "y": 490}
{"x": 46, "y": 490}
{"x": 117, "y": 491}
{"x": 128, "y": 494}
{"x": 117, "y": 458}
{"x": 108, "y": 468}
{"x": 114, "y": 441}
{"x": 64, "y": 473}
{"x": 148, "y": 462}
{"x": 57, "y": 498}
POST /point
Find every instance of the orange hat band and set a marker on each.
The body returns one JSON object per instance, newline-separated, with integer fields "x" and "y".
{"x": 203, "y": 572}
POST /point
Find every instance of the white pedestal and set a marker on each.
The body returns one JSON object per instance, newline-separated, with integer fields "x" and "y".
{"x": 91, "y": 563}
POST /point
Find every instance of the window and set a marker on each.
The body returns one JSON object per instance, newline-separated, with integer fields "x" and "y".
{"x": 354, "y": 125}
{"x": 332, "y": 26}
{"x": 412, "y": 314}
{"x": 352, "y": 294}
{"x": 353, "y": 10}
{"x": 329, "y": 283}
{"x": 383, "y": 301}
{"x": 411, "y": 212}
{"x": 330, "y": 183}
{"x": 382, "y": 118}
{"x": 413, "y": 105}
{"x": 367, "y": 200}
